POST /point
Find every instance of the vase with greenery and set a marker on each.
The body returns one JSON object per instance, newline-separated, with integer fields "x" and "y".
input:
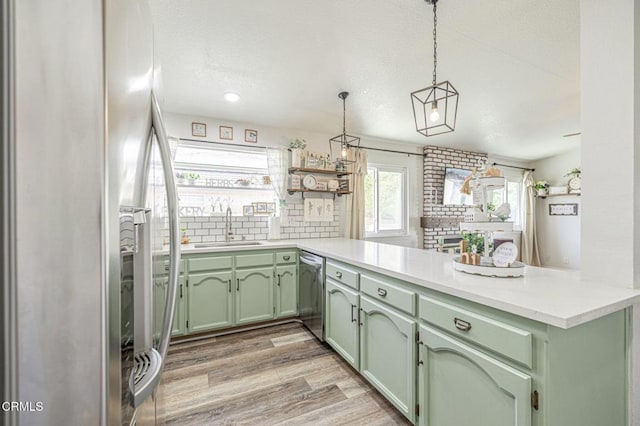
{"x": 575, "y": 172}
{"x": 297, "y": 151}
{"x": 193, "y": 177}
{"x": 542, "y": 186}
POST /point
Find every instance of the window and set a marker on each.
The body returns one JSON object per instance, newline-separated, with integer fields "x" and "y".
{"x": 212, "y": 177}
{"x": 512, "y": 194}
{"x": 385, "y": 201}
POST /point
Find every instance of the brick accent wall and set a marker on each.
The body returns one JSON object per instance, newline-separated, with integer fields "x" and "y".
{"x": 443, "y": 220}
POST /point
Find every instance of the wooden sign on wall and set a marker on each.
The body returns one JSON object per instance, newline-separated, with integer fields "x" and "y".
{"x": 563, "y": 209}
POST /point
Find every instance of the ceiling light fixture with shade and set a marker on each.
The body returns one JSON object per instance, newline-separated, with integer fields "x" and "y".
{"x": 435, "y": 107}
{"x": 345, "y": 140}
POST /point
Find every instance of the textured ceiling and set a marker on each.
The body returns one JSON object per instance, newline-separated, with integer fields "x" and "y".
{"x": 514, "y": 62}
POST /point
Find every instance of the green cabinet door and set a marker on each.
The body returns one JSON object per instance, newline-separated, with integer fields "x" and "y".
{"x": 388, "y": 354}
{"x": 254, "y": 294}
{"x": 286, "y": 290}
{"x": 341, "y": 321}
{"x": 459, "y": 385}
{"x": 210, "y": 301}
{"x": 159, "y": 301}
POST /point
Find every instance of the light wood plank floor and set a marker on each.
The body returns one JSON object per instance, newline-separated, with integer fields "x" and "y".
{"x": 279, "y": 375}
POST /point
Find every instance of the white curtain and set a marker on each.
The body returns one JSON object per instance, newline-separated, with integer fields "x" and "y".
{"x": 530, "y": 254}
{"x": 355, "y": 202}
{"x": 278, "y": 163}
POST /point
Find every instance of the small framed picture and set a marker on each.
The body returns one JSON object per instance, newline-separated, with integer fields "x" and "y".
{"x": 198, "y": 129}
{"x": 247, "y": 210}
{"x": 226, "y": 133}
{"x": 271, "y": 207}
{"x": 250, "y": 135}
{"x": 563, "y": 209}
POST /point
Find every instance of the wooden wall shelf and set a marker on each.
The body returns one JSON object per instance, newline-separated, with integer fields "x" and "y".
{"x": 319, "y": 171}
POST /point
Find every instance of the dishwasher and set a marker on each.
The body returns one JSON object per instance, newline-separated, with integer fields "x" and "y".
{"x": 312, "y": 293}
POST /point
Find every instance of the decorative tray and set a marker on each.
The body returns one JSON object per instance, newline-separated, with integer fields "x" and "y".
{"x": 516, "y": 269}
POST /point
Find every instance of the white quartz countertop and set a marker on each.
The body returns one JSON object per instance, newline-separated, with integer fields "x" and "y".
{"x": 555, "y": 297}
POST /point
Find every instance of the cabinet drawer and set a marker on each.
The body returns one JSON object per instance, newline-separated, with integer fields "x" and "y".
{"x": 284, "y": 257}
{"x": 514, "y": 343}
{"x": 342, "y": 274}
{"x": 161, "y": 267}
{"x": 389, "y": 293}
{"x": 210, "y": 263}
{"x": 257, "y": 259}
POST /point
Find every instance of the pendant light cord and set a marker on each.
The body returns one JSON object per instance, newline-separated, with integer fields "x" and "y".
{"x": 435, "y": 42}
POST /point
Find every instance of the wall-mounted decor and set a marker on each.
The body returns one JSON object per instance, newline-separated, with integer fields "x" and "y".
{"x": 226, "y": 133}
{"x": 271, "y": 207}
{"x": 453, "y": 180}
{"x": 260, "y": 208}
{"x": 198, "y": 129}
{"x": 250, "y": 135}
{"x": 563, "y": 209}
{"x": 247, "y": 210}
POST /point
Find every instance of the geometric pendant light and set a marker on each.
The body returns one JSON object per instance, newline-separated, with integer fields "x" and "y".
{"x": 435, "y": 107}
{"x": 345, "y": 140}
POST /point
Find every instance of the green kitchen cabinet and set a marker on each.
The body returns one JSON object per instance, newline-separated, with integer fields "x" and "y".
{"x": 210, "y": 303}
{"x": 342, "y": 329}
{"x": 160, "y": 298}
{"x": 388, "y": 354}
{"x": 459, "y": 385}
{"x": 254, "y": 294}
{"x": 286, "y": 290}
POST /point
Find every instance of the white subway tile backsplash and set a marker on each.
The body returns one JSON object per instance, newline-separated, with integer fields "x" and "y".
{"x": 211, "y": 228}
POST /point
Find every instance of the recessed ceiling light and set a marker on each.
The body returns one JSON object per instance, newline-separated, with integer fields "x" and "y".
{"x": 232, "y": 97}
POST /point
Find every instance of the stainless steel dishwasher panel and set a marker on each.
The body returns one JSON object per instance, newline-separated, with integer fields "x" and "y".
{"x": 312, "y": 293}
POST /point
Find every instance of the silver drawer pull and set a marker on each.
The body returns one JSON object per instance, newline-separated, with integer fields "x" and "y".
{"x": 338, "y": 274}
{"x": 382, "y": 292}
{"x": 462, "y": 325}
{"x": 286, "y": 257}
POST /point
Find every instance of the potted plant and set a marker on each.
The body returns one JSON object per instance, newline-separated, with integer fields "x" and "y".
{"x": 542, "y": 187}
{"x": 193, "y": 177}
{"x": 297, "y": 152}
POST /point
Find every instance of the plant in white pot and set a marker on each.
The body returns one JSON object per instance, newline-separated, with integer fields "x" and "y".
{"x": 297, "y": 152}
{"x": 542, "y": 187}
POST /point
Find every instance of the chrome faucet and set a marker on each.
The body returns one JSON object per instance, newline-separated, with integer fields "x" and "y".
{"x": 227, "y": 226}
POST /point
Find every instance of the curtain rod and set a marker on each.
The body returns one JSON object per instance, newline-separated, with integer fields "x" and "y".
{"x": 513, "y": 167}
{"x": 389, "y": 150}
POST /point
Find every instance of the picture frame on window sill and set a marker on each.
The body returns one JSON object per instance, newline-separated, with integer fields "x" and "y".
{"x": 198, "y": 129}
{"x": 226, "y": 133}
{"x": 259, "y": 208}
{"x": 250, "y": 136}
{"x": 247, "y": 210}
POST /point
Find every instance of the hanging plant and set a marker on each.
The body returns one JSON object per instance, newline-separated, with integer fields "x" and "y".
{"x": 574, "y": 172}
{"x": 298, "y": 144}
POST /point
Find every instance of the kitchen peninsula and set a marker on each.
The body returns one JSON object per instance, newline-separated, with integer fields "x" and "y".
{"x": 535, "y": 350}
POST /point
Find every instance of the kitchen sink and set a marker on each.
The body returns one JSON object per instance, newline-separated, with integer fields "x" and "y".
{"x": 228, "y": 244}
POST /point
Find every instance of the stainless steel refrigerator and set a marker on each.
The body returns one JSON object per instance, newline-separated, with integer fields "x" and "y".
{"x": 88, "y": 205}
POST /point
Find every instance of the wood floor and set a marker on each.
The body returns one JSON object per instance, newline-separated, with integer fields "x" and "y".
{"x": 279, "y": 375}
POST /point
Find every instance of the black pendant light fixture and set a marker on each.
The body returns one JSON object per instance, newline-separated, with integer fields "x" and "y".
{"x": 346, "y": 141}
{"x": 435, "y": 107}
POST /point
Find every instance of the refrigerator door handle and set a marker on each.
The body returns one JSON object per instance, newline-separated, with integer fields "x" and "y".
{"x": 174, "y": 226}
{"x": 148, "y": 364}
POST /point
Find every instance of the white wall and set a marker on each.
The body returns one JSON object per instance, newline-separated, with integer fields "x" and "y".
{"x": 179, "y": 125}
{"x": 558, "y": 236}
{"x": 610, "y": 160}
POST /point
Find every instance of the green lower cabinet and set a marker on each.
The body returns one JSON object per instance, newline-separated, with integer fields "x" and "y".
{"x": 388, "y": 354}
{"x": 210, "y": 301}
{"x": 341, "y": 321}
{"x": 286, "y": 290}
{"x": 459, "y": 385}
{"x": 159, "y": 302}
{"x": 254, "y": 295}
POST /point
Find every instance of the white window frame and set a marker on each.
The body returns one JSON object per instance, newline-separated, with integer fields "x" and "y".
{"x": 405, "y": 210}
